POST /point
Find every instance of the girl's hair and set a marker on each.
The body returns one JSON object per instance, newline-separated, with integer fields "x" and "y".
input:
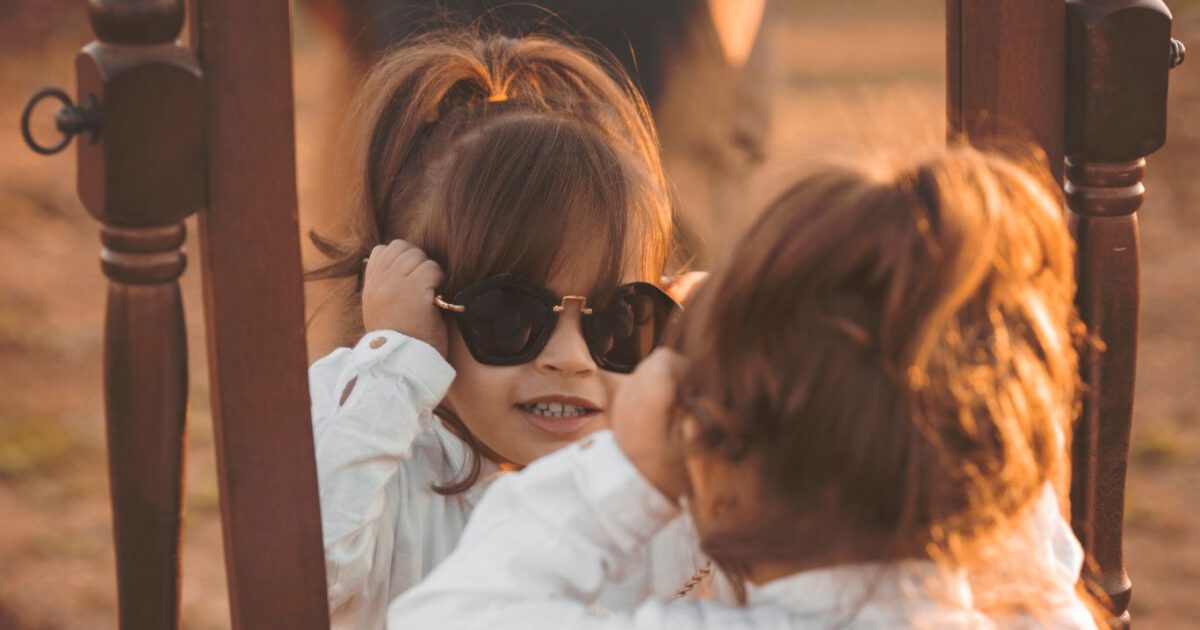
{"x": 896, "y": 352}
{"x": 498, "y": 155}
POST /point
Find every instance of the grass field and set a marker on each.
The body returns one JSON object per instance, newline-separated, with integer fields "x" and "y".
{"x": 855, "y": 78}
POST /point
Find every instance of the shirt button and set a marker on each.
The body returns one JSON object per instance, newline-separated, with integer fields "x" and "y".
{"x": 378, "y": 342}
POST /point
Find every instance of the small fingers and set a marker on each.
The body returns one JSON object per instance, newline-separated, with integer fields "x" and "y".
{"x": 429, "y": 274}
{"x": 397, "y": 258}
{"x": 406, "y": 262}
{"x": 658, "y": 377}
{"x": 394, "y": 249}
{"x": 372, "y": 261}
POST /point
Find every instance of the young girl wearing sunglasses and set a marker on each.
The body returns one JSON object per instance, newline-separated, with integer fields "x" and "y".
{"x": 513, "y": 217}
{"x": 869, "y": 421}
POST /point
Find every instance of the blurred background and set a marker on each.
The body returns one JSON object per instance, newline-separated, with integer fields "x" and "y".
{"x": 851, "y": 78}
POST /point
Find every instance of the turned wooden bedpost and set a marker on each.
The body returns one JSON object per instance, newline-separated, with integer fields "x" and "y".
{"x": 156, "y": 143}
{"x": 1119, "y": 55}
{"x": 140, "y": 177}
{"x": 1084, "y": 79}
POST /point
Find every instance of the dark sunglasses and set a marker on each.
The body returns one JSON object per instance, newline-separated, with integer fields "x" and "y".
{"x": 505, "y": 320}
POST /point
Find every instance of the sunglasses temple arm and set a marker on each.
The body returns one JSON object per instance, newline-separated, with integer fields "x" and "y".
{"x": 443, "y": 304}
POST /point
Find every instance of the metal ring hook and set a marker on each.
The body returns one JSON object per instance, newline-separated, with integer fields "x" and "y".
{"x": 70, "y": 120}
{"x": 1178, "y": 53}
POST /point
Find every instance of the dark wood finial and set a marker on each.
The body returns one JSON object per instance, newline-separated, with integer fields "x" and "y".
{"x": 136, "y": 21}
{"x": 1117, "y": 67}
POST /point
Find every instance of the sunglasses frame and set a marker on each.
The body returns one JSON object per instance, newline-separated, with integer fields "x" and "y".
{"x": 557, "y": 304}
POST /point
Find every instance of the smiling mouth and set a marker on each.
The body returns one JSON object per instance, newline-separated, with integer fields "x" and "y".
{"x": 557, "y": 410}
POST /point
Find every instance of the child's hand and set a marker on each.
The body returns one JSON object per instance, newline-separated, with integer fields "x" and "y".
{"x": 398, "y": 291}
{"x": 641, "y": 422}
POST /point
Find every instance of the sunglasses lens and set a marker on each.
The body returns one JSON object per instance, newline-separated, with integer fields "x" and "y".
{"x": 622, "y": 334}
{"x": 504, "y": 322}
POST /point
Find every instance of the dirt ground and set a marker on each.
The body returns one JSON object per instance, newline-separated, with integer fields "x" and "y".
{"x": 855, "y": 78}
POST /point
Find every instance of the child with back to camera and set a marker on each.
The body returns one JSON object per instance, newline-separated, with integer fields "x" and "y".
{"x": 868, "y": 416}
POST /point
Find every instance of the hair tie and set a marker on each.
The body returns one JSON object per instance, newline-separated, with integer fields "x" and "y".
{"x": 497, "y": 98}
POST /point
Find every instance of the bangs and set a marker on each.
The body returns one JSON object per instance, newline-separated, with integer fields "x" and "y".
{"x": 538, "y": 197}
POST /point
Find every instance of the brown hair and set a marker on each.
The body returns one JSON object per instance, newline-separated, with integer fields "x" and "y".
{"x": 897, "y": 350}
{"x": 499, "y": 155}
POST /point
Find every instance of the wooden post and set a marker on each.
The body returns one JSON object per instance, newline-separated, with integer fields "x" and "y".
{"x": 141, "y": 176}
{"x": 1004, "y": 73}
{"x": 1104, "y": 114}
{"x": 1119, "y": 56}
{"x": 254, "y": 302}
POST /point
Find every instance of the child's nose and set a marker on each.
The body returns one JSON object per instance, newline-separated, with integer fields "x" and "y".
{"x": 566, "y": 352}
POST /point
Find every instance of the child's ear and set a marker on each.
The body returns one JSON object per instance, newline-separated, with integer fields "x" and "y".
{"x": 681, "y": 286}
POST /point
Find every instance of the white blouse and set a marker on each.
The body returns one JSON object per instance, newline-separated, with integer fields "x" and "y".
{"x": 543, "y": 542}
{"x": 379, "y": 454}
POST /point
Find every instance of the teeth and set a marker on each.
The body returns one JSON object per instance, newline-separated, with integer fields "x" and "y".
{"x": 556, "y": 410}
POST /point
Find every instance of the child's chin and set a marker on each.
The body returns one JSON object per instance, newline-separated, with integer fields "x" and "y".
{"x": 550, "y": 434}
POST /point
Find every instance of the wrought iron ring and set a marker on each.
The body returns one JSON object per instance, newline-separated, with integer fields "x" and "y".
{"x": 70, "y": 120}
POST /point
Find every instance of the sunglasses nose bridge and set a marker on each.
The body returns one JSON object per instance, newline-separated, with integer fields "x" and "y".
{"x": 583, "y": 307}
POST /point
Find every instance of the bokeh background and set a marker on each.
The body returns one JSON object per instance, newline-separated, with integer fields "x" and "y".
{"x": 854, "y": 78}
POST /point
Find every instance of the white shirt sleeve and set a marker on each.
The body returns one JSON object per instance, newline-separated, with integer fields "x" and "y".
{"x": 361, "y": 444}
{"x": 541, "y": 544}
